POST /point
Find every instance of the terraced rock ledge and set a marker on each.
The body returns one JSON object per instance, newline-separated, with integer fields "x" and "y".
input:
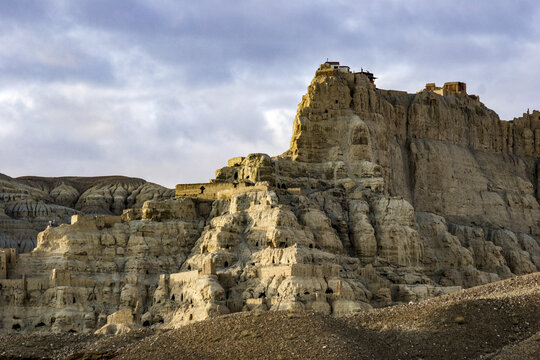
{"x": 384, "y": 198}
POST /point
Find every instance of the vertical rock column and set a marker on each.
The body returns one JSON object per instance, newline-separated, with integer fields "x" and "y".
{"x": 538, "y": 180}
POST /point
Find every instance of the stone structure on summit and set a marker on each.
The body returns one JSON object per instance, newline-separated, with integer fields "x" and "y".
{"x": 449, "y": 88}
{"x": 383, "y": 197}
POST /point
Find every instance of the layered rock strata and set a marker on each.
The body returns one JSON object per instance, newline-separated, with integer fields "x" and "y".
{"x": 383, "y": 197}
{"x": 29, "y": 204}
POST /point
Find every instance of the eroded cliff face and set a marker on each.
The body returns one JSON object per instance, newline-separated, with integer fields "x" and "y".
{"x": 446, "y": 154}
{"x": 449, "y": 157}
{"x": 383, "y": 197}
{"x": 29, "y": 204}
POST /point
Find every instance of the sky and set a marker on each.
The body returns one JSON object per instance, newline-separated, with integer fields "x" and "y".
{"x": 168, "y": 90}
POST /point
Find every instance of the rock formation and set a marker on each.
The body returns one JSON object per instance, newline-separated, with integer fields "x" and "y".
{"x": 29, "y": 204}
{"x": 383, "y": 197}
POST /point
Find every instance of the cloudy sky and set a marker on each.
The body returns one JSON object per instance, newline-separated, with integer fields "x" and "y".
{"x": 168, "y": 90}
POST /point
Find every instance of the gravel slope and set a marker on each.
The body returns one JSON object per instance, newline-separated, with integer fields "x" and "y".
{"x": 496, "y": 321}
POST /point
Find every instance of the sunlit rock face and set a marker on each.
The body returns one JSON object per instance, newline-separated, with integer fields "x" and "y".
{"x": 383, "y": 197}
{"x": 29, "y": 204}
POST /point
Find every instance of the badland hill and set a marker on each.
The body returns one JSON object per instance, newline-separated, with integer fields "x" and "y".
{"x": 383, "y": 198}
{"x": 28, "y": 204}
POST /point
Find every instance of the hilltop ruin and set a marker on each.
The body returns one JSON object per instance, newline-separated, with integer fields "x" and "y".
{"x": 383, "y": 197}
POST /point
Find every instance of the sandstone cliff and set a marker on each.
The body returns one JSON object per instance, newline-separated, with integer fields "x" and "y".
{"x": 383, "y": 197}
{"x": 28, "y": 204}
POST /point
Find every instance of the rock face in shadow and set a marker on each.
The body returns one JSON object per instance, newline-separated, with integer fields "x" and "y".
{"x": 470, "y": 177}
{"x": 384, "y": 197}
{"x": 445, "y": 154}
{"x": 29, "y": 204}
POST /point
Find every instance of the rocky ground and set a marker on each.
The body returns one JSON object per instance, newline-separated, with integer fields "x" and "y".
{"x": 500, "y": 320}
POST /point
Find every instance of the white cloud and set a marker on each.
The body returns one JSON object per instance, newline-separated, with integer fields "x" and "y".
{"x": 278, "y": 121}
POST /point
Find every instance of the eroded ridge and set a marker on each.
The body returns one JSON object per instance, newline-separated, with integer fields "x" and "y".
{"x": 384, "y": 197}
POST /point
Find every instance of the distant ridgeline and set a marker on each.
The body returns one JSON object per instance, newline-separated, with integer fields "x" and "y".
{"x": 383, "y": 197}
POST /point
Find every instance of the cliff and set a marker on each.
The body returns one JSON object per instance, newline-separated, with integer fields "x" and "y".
{"x": 445, "y": 154}
{"x": 28, "y": 204}
{"x": 384, "y": 197}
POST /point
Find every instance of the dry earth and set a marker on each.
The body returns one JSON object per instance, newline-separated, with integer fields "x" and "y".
{"x": 499, "y": 320}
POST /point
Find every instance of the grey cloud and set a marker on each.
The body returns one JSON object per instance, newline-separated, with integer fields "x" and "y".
{"x": 131, "y": 17}
{"x": 22, "y": 11}
{"x": 168, "y": 90}
{"x": 88, "y": 69}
